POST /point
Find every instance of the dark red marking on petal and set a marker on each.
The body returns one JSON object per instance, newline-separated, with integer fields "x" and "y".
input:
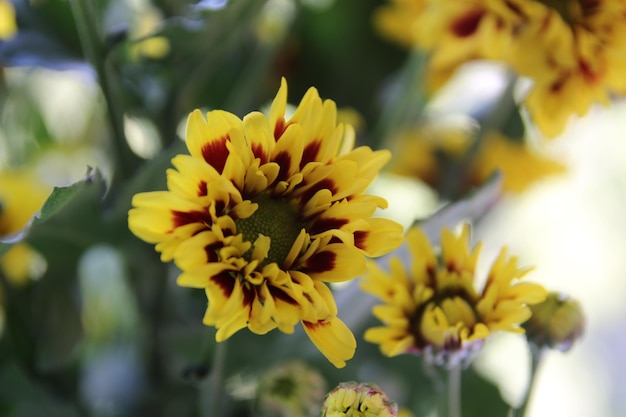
{"x": 360, "y": 237}
{"x": 202, "y": 189}
{"x": 259, "y": 152}
{"x": 225, "y": 281}
{"x": 558, "y": 85}
{"x": 588, "y": 74}
{"x": 322, "y": 225}
{"x": 514, "y": 8}
{"x": 279, "y": 294}
{"x": 220, "y": 206}
{"x": 181, "y": 218}
{"x": 249, "y": 294}
{"x": 211, "y": 251}
{"x": 468, "y": 24}
{"x": 279, "y": 128}
{"x": 590, "y": 7}
{"x": 318, "y": 323}
{"x": 216, "y": 153}
{"x": 283, "y": 159}
{"x": 310, "y": 153}
{"x": 321, "y": 262}
{"x": 326, "y": 183}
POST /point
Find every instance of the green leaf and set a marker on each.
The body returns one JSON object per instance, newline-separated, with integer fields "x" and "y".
{"x": 21, "y": 396}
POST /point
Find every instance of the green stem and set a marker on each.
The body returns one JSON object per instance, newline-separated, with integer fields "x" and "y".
{"x": 215, "y": 384}
{"x": 454, "y": 391}
{"x": 536, "y": 357}
{"x": 94, "y": 51}
{"x": 408, "y": 102}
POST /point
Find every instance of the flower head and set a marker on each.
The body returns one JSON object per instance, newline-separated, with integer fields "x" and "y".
{"x": 264, "y": 212}
{"x": 21, "y": 195}
{"x": 290, "y": 390}
{"x": 426, "y": 152}
{"x": 350, "y": 399}
{"x": 433, "y": 307}
{"x": 556, "y": 323}
{"x": 574, "y": 51}
{"x": 8, "y": 25}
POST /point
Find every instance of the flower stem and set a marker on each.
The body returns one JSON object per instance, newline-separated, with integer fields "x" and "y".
{"x": 407, "y": 103}
{"x": 454, "y": 391}
{"x": 215, "y": 385}
{"x": 536, "y": 356}
{"x": 95, "y": 53}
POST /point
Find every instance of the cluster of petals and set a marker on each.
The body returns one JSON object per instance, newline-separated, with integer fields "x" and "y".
{"x": 574, "y": 51}
{"x": 432, "y": 308}
{"x": 264, "y": 212}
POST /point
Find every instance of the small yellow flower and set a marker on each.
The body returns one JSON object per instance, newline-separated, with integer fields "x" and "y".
{"x": 21, "y": 195}
{"x": 147, "y": 44}
{"x": 432, "y": 308}
{"x": 350, "y": 399}
{"x": 556, "y": 323}
{"x": 264, "y": 212}
{"x": 8, "y": 25}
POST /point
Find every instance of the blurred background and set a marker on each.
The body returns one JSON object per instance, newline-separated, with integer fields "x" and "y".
{"x": 101, "y": 328}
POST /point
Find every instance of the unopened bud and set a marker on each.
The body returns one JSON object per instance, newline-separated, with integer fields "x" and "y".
{"x": 351, "y": 399}
{"x": 555, "y": 323}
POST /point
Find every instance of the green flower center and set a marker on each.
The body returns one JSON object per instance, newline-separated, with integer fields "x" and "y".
{"x": 276, "y": 219}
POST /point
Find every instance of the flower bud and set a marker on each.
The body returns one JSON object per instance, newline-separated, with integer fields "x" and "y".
{"x": 290, "y": 390}
{"x": 351, "y": 399}
{"x": 555, "y": 323}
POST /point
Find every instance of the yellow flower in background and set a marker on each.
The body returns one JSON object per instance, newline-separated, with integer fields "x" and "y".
{"x": 8, "y": 25}
{"x": 432, "y": 307}
{"x": 574, "y": 51}
{"x": 395, "y": 20}
{"x": 350, "y": 399}
{"x": 520, "y": 166}
{"x": 264, "y": 212}
{"x": 428, "y": 152}
{"x": 147, "y": 44}
{"x": 21, "y": 196}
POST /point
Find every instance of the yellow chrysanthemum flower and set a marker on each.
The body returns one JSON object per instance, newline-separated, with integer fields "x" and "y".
{"x": 426, "y": 152}
{"x": 264, "y": 212}
{"x": 433, "y": 307}
{"x": 8, "y": 25}
{"x": 350, "y": 399}
{"x": 21, "y": 195}
{"x": 573, "y": 50}
{"x": 520, "y": 165}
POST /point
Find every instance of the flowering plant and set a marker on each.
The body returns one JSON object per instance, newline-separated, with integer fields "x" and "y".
{"x": 274, "y": 208}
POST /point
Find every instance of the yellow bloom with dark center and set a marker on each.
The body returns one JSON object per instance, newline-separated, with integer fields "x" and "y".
{"x": 432, "y": 308}
{"x": 574, "y": 51}
{"x": 350, "y": 399}
{"x": 21, "y": 195}
{"x": 264, "y": 212}
{"x": 8, "y": 25}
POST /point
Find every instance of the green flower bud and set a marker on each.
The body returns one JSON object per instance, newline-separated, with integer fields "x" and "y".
{"x": 555, "y": 323}
{"x": 290, "y": 390}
